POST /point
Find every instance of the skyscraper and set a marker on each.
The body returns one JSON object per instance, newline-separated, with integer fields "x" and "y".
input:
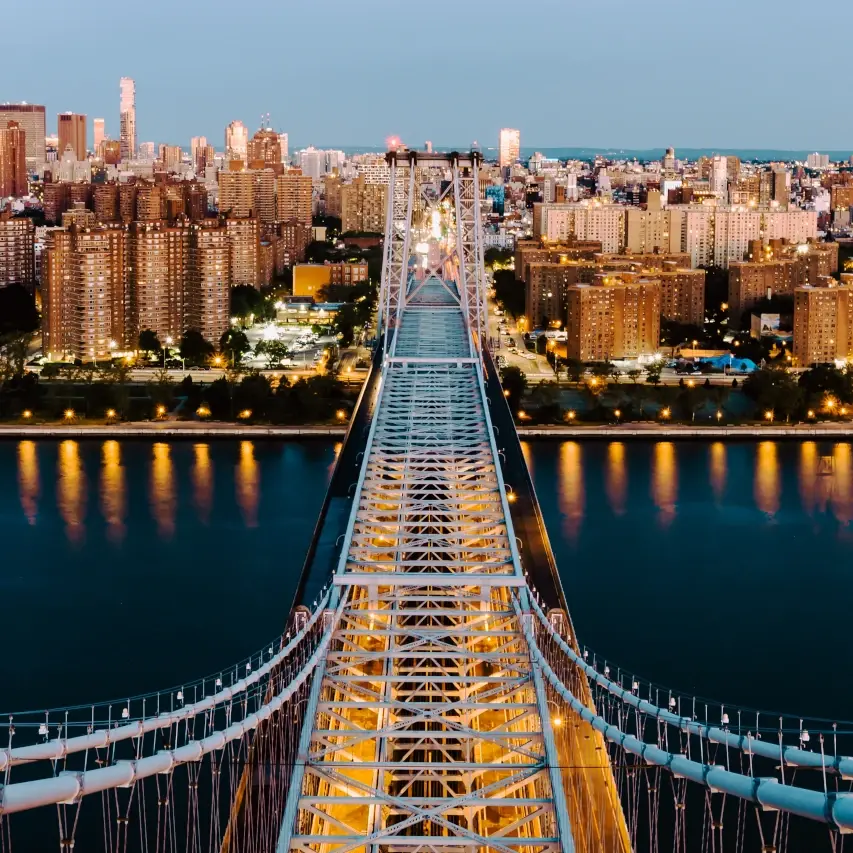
{"x": 127, "y": 113}
{"x": 30, "y": 118}
{"x": 98, "y": 134}
{"x": 13, "y": 163}
{"x": 509, "y": 147}
{"x": 71, "y": 129}
{"x": 198, "y": 146}
{"x": 236, "y": 141}
{"x": 285, "y": 148}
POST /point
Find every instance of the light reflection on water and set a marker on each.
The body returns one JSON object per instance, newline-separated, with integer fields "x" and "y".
{"x": 665, "y": 481}
{"x": 163, "y": 492}
{"x": 571, "y": 489}
{"x": 113, "y": 490}
{"x": 247, "y": 484}
{"x": 28, "y": 479}
{"x": 616, "y": 477}
{"x": 202, "y": 479}
{"x": 718, "y": 470}
{"x": 71, "y": 490}
{"x": 767, "y": 484}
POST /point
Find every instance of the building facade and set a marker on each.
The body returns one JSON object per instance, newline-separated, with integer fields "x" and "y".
{"x": 31, "y": 119}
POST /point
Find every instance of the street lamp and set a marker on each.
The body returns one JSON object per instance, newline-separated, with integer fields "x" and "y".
{"x": 341, "y": 414}
{"x": 768, "y": 416}
{"x": 202, "y": 411}
{"x": 719, "y": 415}
{"x": 161, "y": 410}
{"x": 618, "y": 413}
{"x": 26, "y": 414}
{"x": 571, "y": 414}
{"x": 169, "y": 343}
{"x": 665, "y": 413}
{"x": 111, "y": 413}
{"x": 245, "y": 414}
{"x": 69, "y": 414}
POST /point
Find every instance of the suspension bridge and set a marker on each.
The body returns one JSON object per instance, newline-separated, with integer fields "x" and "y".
{"x": 429, "y": 692}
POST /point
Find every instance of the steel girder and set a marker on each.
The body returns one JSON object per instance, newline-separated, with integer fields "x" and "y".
{"x": 426, "y": 729}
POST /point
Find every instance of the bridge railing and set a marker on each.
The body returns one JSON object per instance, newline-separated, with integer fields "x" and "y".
{"x": 209, "y": 760}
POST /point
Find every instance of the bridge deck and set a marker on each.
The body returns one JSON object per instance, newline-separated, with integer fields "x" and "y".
{"x": 426, "y": 730}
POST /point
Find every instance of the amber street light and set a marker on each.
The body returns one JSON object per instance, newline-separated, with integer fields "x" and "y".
{"x": 842, "y": 410}
{"x": 665, "y": 413}
{"x": 506, "y": 393}
{"x": 690, "y": 383}
{"x": 571, "y": 415}
{"x": 111, "y": 413}
{"x": 245, "y": 414}
{"x": 768, "y": 415}
{"x": 26, "y": 414}
{"x": 719, "y": 415}
{"x": 522, "y": 414}
{"x": 161, "y": 411}
{"x": 217, "y": 360}
{"x": 618, "y": 413}
{"x": 341, "y": 414}
{"x": 69, "y": 414}
{"x": 202, "y": 411}
{"x": 810, "y": 413}
{"x": 593, "y": 381}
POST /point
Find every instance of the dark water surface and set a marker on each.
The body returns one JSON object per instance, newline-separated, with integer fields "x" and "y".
{"x": 725, "y": 569}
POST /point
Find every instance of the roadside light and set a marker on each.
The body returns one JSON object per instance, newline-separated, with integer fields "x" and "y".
{"x": 26, "y": 414}
{"x": 69, "y": 414}
{"x": 768, "y": 415}
{"x": 341, "y": 414}
{"x": 571, "y": 415}
{"x": 217, "y": 360}
{"x": 510, "y": 497}
{"x": 810, "y": 413}
{"x": 111, "y": 413}
{"x": 161, "y": 410}
{"x": 522, "y": 414}
{"x": 842, "y": 410}
{"x": 719, "y": 415}
{"x": 245, "y": 414}
{"x": 618, "y": 413}
{"x": 558, "y": 722}
{"x": 690, "y": 383}
{"x": 202, "y": 411}
{"x": 829, "y": 403}
{"x": 665, "y": 413}
{"x": 506, "y": 393}
{"x": 593, "y": 381}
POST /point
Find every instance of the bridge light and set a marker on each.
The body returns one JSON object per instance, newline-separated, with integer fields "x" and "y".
{"x": 558, "y": 721}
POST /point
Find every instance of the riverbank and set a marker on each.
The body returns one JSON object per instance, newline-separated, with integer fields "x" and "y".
{"x": 655, "y": 430}
{"x": 168, "y": 429}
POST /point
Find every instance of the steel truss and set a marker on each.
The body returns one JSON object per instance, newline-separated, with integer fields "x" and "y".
{"x": 411, "y": 200}
{"x": 427, "y": 732}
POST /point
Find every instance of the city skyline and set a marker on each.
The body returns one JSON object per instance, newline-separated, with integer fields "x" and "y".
{"x": 579, "y": 97}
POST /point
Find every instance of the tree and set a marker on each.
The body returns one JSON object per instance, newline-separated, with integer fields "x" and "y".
{"x": 149, "y": 343}
{"x": 14, "y": 352}
{"x": 194, "y": 349}
{"x": 275, "y": 351}
{"x": 828, "y": 379}
{"x": 234, "y": 344}
{"x": 509, "y": 292}
{"x": 514, "y": 382}
{"x": 773, "y": 388}
{"x": 574, "y": 369}
{"x": 17, "y": 311}
{"x": 545, "y": 399}
{"x": 653, "y": 372}
{"x": 253, "y": 394}
{"x": 248, "y": 303}
{"x": 634, "y": 374}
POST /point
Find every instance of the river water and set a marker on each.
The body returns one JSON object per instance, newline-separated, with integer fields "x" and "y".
{"x": 722, "y": 568}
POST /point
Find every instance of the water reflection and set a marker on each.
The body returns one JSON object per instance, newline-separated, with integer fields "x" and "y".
{"x": 28, "y": 479}
{"x": 570, "y": 488}
{"x": 664, "y": 481}
{"x": 247, "y": 482}
{"x": 163, "y": 502}
{"x": 810, "y": 488}
{"x": 616, "y": 482}
{"x": 71, "y": 490}
{"x": 202, "y": 478}
{"x": 113, "y": 490}
{"x": 842, "y": 497}
{"x": 767, "y": 482}
{"x": 718, "y": 470}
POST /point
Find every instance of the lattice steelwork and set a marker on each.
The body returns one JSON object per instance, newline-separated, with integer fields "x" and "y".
{"x": 427, "y": 734}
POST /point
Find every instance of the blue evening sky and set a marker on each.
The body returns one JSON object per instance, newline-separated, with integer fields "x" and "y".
{"x": 620, "y": 73}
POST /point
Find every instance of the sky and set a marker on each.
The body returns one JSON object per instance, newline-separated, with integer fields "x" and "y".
{"x": 620, "y": 74}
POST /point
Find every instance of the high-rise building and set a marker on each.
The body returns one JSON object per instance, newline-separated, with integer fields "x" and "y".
{"x": 13, "y": 160}
{"x": 292, "y": 245}
{"x": 312, "y": 162}
{"x": 207, "y": 295}
{"x": 264, "y": 149}
{"x": 106, "y": 203}
{"x": 294, "y": 197}
{"x": 247, "y": 192}
{"x": 30, "y": 118}
{"x": 616, "y": 317}
{"x": 72, "y": 131}
{"x": 285, "y": 148}
{"x": 817, "y": 161}
{"x": 509, "y": 147}
{"x": 112, "y": 152}
{"x": 84, "y": 293}
{"x": 719, "y": 178}
{"x": 823, "y": 321}
{"x": 236, "y": 141}
{"x": 127, "y": 116}
{"x": 145, "y": 151}
{"x": 172, "y": 156}
{"x": 17, "y": 250}
{"x": 583, "y": 220}
{"x": 244, "y": 236}
{"x": 198, "y": 153}
{"x": 98, "y": 134}
{"x": 363, "y": 206}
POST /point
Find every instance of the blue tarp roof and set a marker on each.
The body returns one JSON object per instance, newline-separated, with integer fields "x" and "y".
{"x": 742, "y": 365}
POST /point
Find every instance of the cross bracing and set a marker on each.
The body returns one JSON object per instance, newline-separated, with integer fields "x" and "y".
{"x": 427, "y": 732}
